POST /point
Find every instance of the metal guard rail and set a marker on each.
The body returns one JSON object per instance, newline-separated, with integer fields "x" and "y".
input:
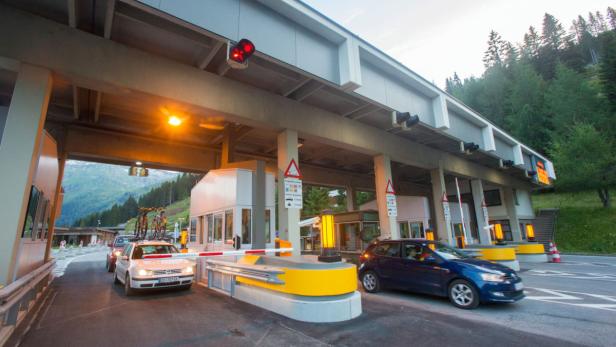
{"x": 255, "y": 272}
{"x": 17, "y": 297}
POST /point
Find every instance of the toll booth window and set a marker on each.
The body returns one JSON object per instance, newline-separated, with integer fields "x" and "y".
{"x": 492, "y": 197}
{"x": 218, "y": 227}
{"x": 31, "y": 213}
{"x": 210, "y": 228}
{"x": 507, "y": 234}
{"x": 246, "y": 225}
{"x": 390, "y": 249}
{"x": 417, "y": 230}
{"x": 268, "y": 230}
{"x": 201, "y": 229}
{"x": 228, "y": 225}
{"x": 193, "y": 230}
{"x": 405, "y": 232}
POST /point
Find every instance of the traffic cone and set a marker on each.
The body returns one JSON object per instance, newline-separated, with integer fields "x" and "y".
{"x": 554, "y": 254}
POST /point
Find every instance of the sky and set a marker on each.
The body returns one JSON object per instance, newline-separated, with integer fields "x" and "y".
{"x": 439, "y": 37}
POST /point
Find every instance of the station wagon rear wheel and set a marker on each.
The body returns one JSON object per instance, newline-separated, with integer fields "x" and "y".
{"x": 370, "y": 282}
{"x": 463, "y": 294}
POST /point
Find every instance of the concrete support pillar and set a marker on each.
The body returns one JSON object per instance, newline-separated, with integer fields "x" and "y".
{"x": 54, "y": 206}
{"x": 514, "y": 223}
{"x": 258, "y": 206}
{"x": 443, "y": 227}
{"x": 288, "y": 218}
{"x": 351, "y": 199}
{"x": 19, "y": 151}
{"x": 482, "y": 223}
{"x": 228, "y": 146}
{"x": 382, "y": 174}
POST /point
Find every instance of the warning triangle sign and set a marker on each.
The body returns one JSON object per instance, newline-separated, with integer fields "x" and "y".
{"x": 390, "y": 188}
{"x": 292, "y": 170}
{"x": 445, "y": 198}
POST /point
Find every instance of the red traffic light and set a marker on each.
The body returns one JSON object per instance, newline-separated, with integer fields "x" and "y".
{"x": 241, "y": 51}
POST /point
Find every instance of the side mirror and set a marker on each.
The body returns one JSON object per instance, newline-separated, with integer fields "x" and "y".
{"x": 110, "y": 244}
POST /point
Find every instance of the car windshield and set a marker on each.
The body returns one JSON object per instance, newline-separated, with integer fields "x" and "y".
{"x": 142, "y": 250}
{"x": 121, "y": 241}
{"x": 447, "y": 252}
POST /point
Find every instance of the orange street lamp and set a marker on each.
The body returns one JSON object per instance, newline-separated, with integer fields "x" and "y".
{"x": 174, "y": 121}
{"x": 328, "y": 239}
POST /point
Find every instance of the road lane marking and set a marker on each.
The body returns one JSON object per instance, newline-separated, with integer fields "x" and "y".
{"x": 574, "y": 275}
{"x": 565, "y": 297}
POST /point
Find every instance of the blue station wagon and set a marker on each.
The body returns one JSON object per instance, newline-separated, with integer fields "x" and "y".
{"x": 432, "y": 268}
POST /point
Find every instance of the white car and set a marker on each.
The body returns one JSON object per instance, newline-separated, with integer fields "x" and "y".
{"x": 137, "y": 273}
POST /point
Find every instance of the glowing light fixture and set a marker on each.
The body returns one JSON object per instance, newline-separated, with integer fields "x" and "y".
{"x": 210, "y": 126}
{"x": 174, "y": 121}
{"x": 530, "y": 232}
{"x": 138, "y": 163}
{"x": 498, "y": 232}
{"x": 328, "y": 239}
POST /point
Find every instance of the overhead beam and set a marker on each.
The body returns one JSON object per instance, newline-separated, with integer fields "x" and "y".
{"x": 90, "y": 143}
{"x": 109, "y": 14}
{"x": 125, "y": 68}
{"x": 306, "y": 90}
{"x": 296, "y": 86}
{"x": 203, "y": 64}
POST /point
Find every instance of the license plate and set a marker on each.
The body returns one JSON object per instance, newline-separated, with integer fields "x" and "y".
{"x": 168, "y": 279}
{"x": 518, "y": 286}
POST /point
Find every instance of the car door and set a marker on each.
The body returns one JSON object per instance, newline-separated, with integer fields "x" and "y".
{"x": 123, "y": 261}
{"x": 389, "y": 264}
{"x": 422, "y": 269}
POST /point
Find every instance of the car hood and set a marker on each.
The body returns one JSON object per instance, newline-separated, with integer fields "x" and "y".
{"x": 483, "y": 265}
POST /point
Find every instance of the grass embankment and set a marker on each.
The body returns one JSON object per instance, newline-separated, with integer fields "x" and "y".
{"x": 583, "y": 224}
{"x": 174, "y": 212}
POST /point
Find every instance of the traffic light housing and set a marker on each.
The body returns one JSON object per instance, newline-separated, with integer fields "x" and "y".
{"x": 238, "y": 54}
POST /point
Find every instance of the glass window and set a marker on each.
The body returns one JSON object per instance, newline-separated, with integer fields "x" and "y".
{"x": 193, "y": 230}
{"x": 218, "y": 227}
{"x": 447, "y": 252}
{"x": 507, "y": 234}
{"x": 246, "y": 225}
{"x": 127, "y": 249}
{"x": 142, "y": 250}
{"x": 492, "y": 197}
{"x": 515, "y": 197}
{"x": 417, "y": 230}
{"x": 268, "y": 230}
{"x": 349, "y": 237}
{"x": 201, "y": 229}
{"x": 415, "y": 251}
{"x": 210, "y": 228}
{"x": 389, "y": 249}
{"x": 31, "y": 212}
{"x": 404, "y": 230}
{"x": 228, "y": 225}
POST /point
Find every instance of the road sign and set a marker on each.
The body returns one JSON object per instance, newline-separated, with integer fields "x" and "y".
{"x": 292, "y": 170}
{"x": 292, "y": 193}
{"x": 390, "y": 198}
{"x": 390, "y": 188}
{"x": 446, "y": 211}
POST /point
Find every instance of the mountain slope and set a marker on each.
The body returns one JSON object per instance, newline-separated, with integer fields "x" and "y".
{"x": 92, "y": 187}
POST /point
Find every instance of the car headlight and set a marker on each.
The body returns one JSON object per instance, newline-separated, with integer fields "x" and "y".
{"x": 188, "y": 270}
{"x": 144, "y": 272}
{"x": 117, "y": 253}
{"x": 489, "y": 277}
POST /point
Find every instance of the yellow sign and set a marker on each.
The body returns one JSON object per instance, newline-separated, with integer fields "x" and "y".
{"x": 542, "y": 174}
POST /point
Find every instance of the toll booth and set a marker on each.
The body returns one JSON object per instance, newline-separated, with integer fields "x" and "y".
{"x": 413, "y": 215}
{"x": 221, "y": 208}
{"x": 356, "y": 229}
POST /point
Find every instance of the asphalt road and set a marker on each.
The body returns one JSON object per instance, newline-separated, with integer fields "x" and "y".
{"x": 573, "y": 301}
{"x": 85, "y": 309}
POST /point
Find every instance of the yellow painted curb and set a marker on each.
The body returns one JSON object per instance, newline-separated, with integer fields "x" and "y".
{"x": 530, "y": 248}
{"x": 498, "y": 254}
{"x": 311, "y": 282}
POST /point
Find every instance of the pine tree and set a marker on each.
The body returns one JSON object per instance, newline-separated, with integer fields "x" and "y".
{"x": 553, "y": 35}
{"x": 493, "y": 56}
{"x": 532, "y": 42}
{"x": 607, "y": 70}
{"x": 593, "y": 26}
{"x": 601, "y": 24}
{"x": 611, "y": 18}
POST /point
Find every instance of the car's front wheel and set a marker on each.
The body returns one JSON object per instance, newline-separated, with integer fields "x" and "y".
{"x": 463, "y": 294}
{"x": 370, "y": 282}
{"x": 128, "y": 290}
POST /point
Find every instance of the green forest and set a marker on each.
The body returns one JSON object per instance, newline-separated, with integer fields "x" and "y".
{"x": 160, "y": 196}
{"x": 556, "y": 92}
